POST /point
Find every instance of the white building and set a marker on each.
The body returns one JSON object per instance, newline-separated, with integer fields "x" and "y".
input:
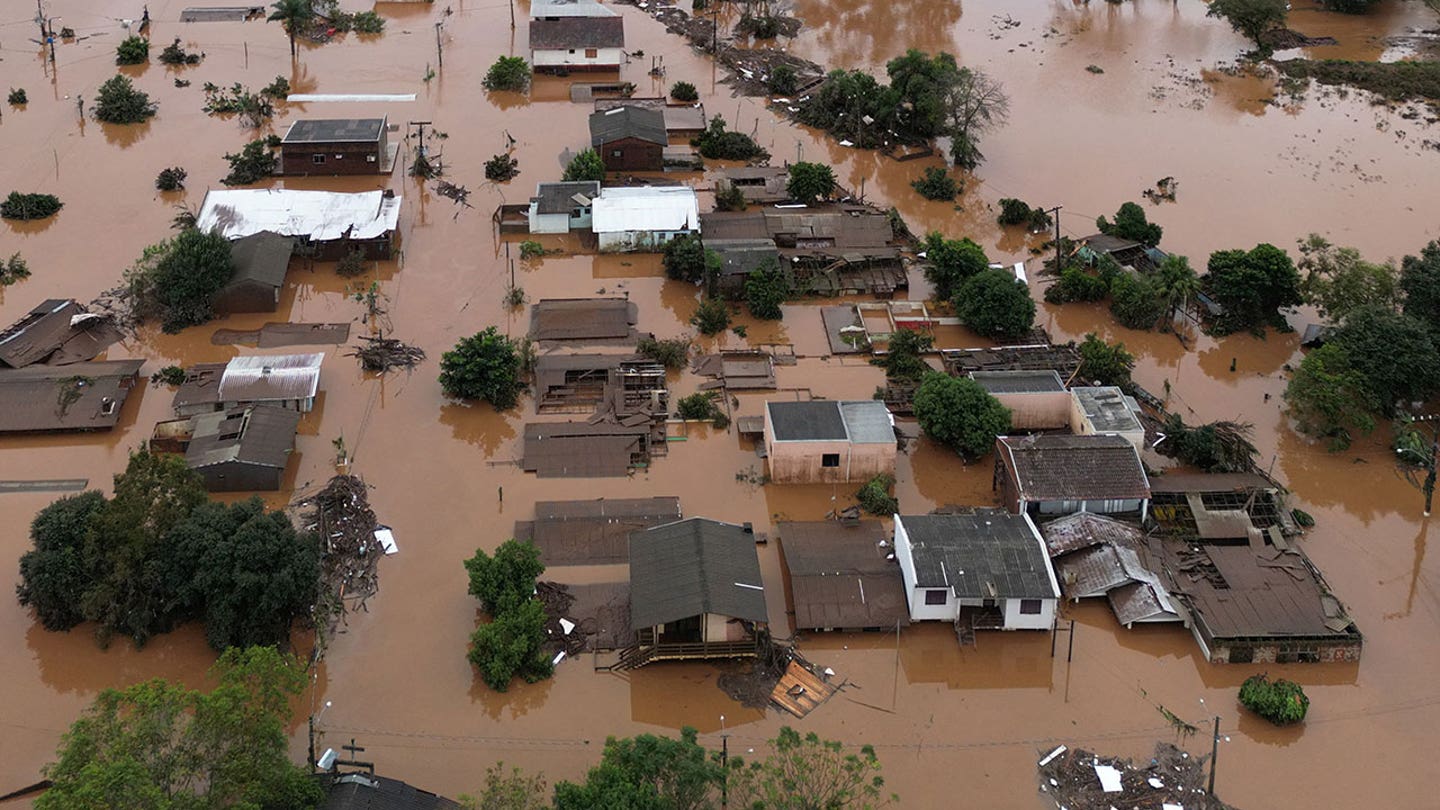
{"x": 984, "y": 571}
{"x": 577, "y": 35}
{"x": 644, "y": 218}
{"x": 562, "y": 207}
{"x": 1105, "y": 410}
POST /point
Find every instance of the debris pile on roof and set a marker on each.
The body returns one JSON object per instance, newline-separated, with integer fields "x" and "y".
{"x": 1172, "y": 780}
{"x": 57, "y": 332}
{"x": 340, "y": 513}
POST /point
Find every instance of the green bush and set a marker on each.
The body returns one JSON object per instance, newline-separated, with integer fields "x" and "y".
{"x": 169, "y": 375}
{"x": 1134, "y": 302}
{"x": 171, "y": 179}
{"x": 718, "y": 143}
{"x": 903, "y": 359}
{"x": 508, "y": 73}
{"x": 118, "y": 102}
{"x": 712, "y": 316}
{"x": 586, "y": 165}
{"x": 485, "y": 366}
{"x": 173, "y": 54}
{"x": 1013, "y": 212}
{"x": 367, "y": 22}
{"x": 996, "y": 305}
{"x": 1281, "y": 702}
{"x": 702, "y": 406}
{"x": 684, "y": 91}
{"x": 278, "y": 89}
{"x": 766, "y": 288}
{"x": 501, "y": 168}
{"x": 13, "y": 270}
{"x": 937, "y": 184}
{"x": 729, "y": 197}
{"x": 783, "y": 80}
{"x": 686, "y": 259}
{"x": 875, "y": 497}
{"x": 530, "y": 249}
{"x": 1075, "y": 284}
{"x": 29, "y": 206}
{"x": 672, "y": 353}
{"x": 18, "y": 97}
{"x": 1131, "y": 223}
{"x": 132, "y": 51}
{"x": 251, "y": 164}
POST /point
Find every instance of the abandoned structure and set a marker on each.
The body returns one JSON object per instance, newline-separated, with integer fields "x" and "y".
{"x": 328, "y": 225}
{"x": 595, "y": 532}
{"x": 1221, "y": 506}
{"x": 681, "y": 120}
{"x": 282, "y": 380}
{"x": 1037, "y": 399}
{"x": 1106, "y": 410}
{"x": 842, "y": 576}
{"x": 576, "y": 35}
{"x": 77, "y": 396}
{"x": 584, "y": 320}
{"x": 56, "y": 332}
{"x": 759, "y": 184}
{"x": 589, "y": 450}
{"x": 832, "y": 249}
{"x": 1047, "y": 475}
{"x": 562, "y": 207}
{"x": 695, "y": 592}
{"x": 739, "y": 370}
{"x": 1127, "y": 253}
{"x": 621, "y": 385}
{"x": 825, "y": 441}
{"x": 739, "y": 258}
{"x": 1096, "y": 556}
{"x": 336, "y": 146}
{"x": 986, "y": 571}
{"x": 1063, "y": 360}
{"x": 239, "y": 450}
{"x": 261, "y": 262}
{"x": 644, "y": 218}
{"x": 630, "y": 139}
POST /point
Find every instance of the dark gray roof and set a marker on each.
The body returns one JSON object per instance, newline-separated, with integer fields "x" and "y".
{"x": 738, "y": 257}
{"x": 261, "y": 257}
{"x": 840, "y": 577}
{"x": 692, "y": 567}
{"x": 577, "y": 32}
{"x": 1103, "y": 243}
{"x": 261, "y": 435}
{"x": 356, "y": 791}
{"x": 1019, "y": 381}
{"x": 628, "y": 122}
{"x": 1061, "y": 468}
{"x": 859, "y": 421}
{"x": 990, "y": 556}
{"x": 335, "y": 130}
{"x": 83, "y": 396}
{"x": 557, "y": 198}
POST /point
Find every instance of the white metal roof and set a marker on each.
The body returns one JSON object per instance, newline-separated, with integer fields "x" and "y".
{"x": 647, "y": 208}
{"x": 572, "y": 8}
{"x": 319, "y": 215}
{"x": 257, "y": 378}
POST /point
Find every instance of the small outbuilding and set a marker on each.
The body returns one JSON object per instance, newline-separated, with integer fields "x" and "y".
{"x": 244, "y": 449}
{"x": 986, "y": 571}
{"x": 261, "y": 262}
{"x": 562, "y": 207}
{"x": 1047, "y": 475}
{"x": 827, "y": 441}
{"x": 843, "y": 576}
{"x": 79, "y": 396}
{"x": 336, "y": 146}
{"x": 630, "y": 139}
{"x": 575, "y": 36}
{"x": 644, "y": 218}
{"x": 1037, "y": 399}
{"x": 1106, "y": 410}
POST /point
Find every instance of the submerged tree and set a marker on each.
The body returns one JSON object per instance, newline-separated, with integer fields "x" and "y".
{"x": 1104, "y": 363}
{"x": 903, "y": 359}
{"x": 509, "y": 645}
{"x": 118, "y": 102}
{"x": 810, "y": 182}
{"x": 486, "y": 366}
{"x": 1131, "y": 223}
{"x": 586, "y": 165}
{"x": 1420, "y": 281}
{"x": 976, "y": 104}
{"x": 177, "y": 280}
{"x": 1337, "y": 281}
{"x": 995, "y": 304}
{"x": 647, "y": 771}
{"x": 950, "y": 262}
{"x": 960, "y": 414}
{"x": 508, "y": 73}
{"x": 807, "y": 772}
{"x": 1329, "y": 399}
{"x": 1252, "y": 18}
{"x": 295, "y": 16}
{"x": 1252, "y": 286}
{"x": 766, "y": 289}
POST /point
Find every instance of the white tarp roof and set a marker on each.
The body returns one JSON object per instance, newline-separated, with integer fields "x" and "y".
{"x": 320, "y": 215}
{"x": 568, "y": 8}
{"x": 646, "y": 208}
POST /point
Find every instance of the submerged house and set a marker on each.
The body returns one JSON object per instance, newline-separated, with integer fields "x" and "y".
{"x": 576, "y": 35}
{"x": 1037, "y": 399}
{"x": 695, "y": 592}
{"x": 562, "y": 207}
{"x": 56, "y": 332}
{"x": 1097, "y": 556}
{"x": 368, "y": 791}
{"x": 282, "y": 380}
{"x": 244, "y": 449}
{"x": 826, "y": 441}
{"x": 630, "y": 139}
{"x": 842, "y": 576}
{"x": 327, "y": 224}
{"x": 1108, "y": 411}
{"x": 644, "y": 218}
{"x": 1049, "y": 475}
{"x": 336, "y": 146}
{"x": 982, "y": 571}
{"x": 79, "y": 396}
{"x": 261, "y": 262}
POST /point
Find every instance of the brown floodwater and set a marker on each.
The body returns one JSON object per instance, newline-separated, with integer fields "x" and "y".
{"x": 947, "y": 721}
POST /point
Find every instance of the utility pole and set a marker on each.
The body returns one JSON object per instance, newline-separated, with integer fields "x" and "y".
{"x": 1432, "y": 462}
{"x": 724, "y": 764}
{"x": 512, "y": 15}
{"x": 1214, "y": 752}
{"x": 1056, "y": 212}
{"x": 440, "y": 52}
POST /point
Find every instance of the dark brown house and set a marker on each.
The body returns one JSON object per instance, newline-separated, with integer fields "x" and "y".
{"x": 81, "y": 396}
{"x": 630, "y": 139}
{"x": 243, "y": 449}
{"x": 57, "y": 332}
{"x": 261, "y": 260}
{"x": 335, "y": 146}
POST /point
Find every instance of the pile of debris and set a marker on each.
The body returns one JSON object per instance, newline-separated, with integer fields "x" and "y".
{"x": 750, "y": 67}
{"x": 380, "y": 354}
{"x": 1080, "y": 780}
{"x": 750, "y": 683}
{"x": 564, "y": 634}
{"x": 349, "y": 550}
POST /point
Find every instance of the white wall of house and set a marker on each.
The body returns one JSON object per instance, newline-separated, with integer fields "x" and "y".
{"x": 643, "y": 241}
{"x": 548, "y": 223}
{"x": 915, "y": 595}
{"x": 577, "y": 57}
{"x": 1015, "y": 620}
{"x": 1106, "y": 507}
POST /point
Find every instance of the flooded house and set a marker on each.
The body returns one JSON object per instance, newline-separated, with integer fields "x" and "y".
{"x": 336, "y": 146}
{"x": 367, "y": 791}
{"x": 57, "y": 332}
{"x": 827, "y": 441}
{"x": 630, "y": 139}
{"x": 77, "y": 396}
{"x": 1096, "y": 556}
{"x": 584, "y": 320}
{"x": 602, "y": 449}
{"x": 261, "y": 262}
{"x": 327, "y": 224}
{"x": 681, "y": 120}
{"x": 843, "y": 576}
{"x": 695, "y": 592}
{"x": 236, "y": 450}
{"x": 739, "y": 258}
{"x": 644, "y": 218}
{"x": 986, "y": 571}
{"x": 759, "y": 184}
{"x": 1108, "y": 411}
{"x": 1129, "y": 254}
{"x": 562, "y": 207}
{"x": 593, "y": 532}
{"x": 282, "y": 380}
{"x": 833, "y": 248}
{"x": 1063, "y": 359}
{"x": 575, "y": 35}
{"x": 1049, "y": 475}
{"x": 1038, "y": 400}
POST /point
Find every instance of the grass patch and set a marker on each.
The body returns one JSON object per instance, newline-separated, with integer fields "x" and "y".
{"x": 1397, "y": 81}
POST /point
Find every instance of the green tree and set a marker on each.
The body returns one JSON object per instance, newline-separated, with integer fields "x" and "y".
{"x": 647, "y": 772}
{"x": 950, "y": 262}
{"x": 506, "y": 579}
{"x": 160, "y": 745}
{"x": 936, "y": 184}
{"x": 508, "y": 73}
{"x": 1420, "y": 281}
{"x": 766, "y": 288}
{"x": 1174, "y": 284}
{"x": 685, "y": 259}
{"x": 23, "y": 206}
{"x": 118, "y": 102}
{"x": 509, "y": 646}
{"x": 254, "y": 162}
{"x": 718, "y": 143}
{"x": 1104, "y": 363}
{"x": 711, "y": 317}
{"x": 1251, "y": 18}
{"x": 960, "y": 414}
{"x": 1337, "y": 281}
{"x": 508, "y": 790}
{"x": 783, "y": 80}
{"x": 1329, "y": 399}
{"x": 485, "y": 366}
{"x": 810, "y": 182}
{"x": 294, "y": 16}
{"x": 684, "y": 91}
{"x": 1131, "y": 223}
{"x": 1280, "y": 701}
{"x": 1135, "y": 302}
{"x": 53, "y": 575}
{"x": 1252, "y": 286}
{"x": 808, "y": 773}
{"x": 177, "y": 280}
{"x": 729, "y": 197}
{"x": 586, "y": 165}
{"x": 903, "y": 359}
{"x": 1395, "y": 354}
{"x": 132, "y": 50}
{"x": 995, "y": 304}
{"x": 875, "y": 497}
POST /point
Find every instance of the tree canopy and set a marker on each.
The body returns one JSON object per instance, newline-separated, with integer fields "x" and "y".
{"x": 1420, "y": 281}
{"x": 1252, "y": 286}
{"x": 949, "y": 262}
{"x": 1337, "y": 281}
{"x": 1104, "y": 363}
{"x": 118, "y": 102}
{"x": 686, "y": 259}
{"x": 1395, "y": 354}
{"x": 486, "y": 366}
{"x": 810, "y": 773}
{"x": 1131, "y": 223}
{"x": 995, "y": 304}
{"x": 903, "y": 360}
{"x": 719, "y": 143}
{"x": 810, "y": 182}
{"x": 1251, "y": 18}
{"x": 647, "y": 772}
{"x": 509, "y": 645}
{"x": 960, "y": 414}
{"x": 586, "y": 165}
{"x": 177, "y": 280}
{"x": 766, "y": 288}
{"x": 1329, "y": 398}
{"x": 508, "y": 73}
{"x": 506, "y": 579}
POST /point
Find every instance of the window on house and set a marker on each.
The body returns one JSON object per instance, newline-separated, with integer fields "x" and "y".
{"x": 339, "y": 157}
{"x": 591, "y": 53}
{"x": 1030, "y": 607}
{"x": 369, "y": 158}
{"x": 935, "y": 597}
{"x": 317, "y": 158}
{"x": 830, "y": 460}
{"x": 572, "y": 51}
{"x": 1242, "y": 655}
{"x": 615, "y": 153}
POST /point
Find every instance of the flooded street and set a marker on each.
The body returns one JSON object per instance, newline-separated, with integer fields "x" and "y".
{"x": 947, "y": 721}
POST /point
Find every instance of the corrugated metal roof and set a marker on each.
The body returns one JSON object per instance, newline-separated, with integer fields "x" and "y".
{"x": 1062, "y": 468}
{"x": 740, "y": 257}
{"x": 582, "y": 319}
{"x": 568, "y": 33}
{"x": 335, "y": 130}
{"x": 82, "y": 396}
{"x": 261, "y": 257}
{"x": 559, "y": 198}
{"x": 259, "y": 378}
{"x": 1085, "y": 529}
{"x": 646, "y": 208}
{"x": 692, "y": 567}
{"x": 569, "y": 8}
{"x": 1019, "y": 381}
{"x": 318, "y": 215}
{"x": 989, "y": 556}
{"x": 644, "y": 123}
{"x": 261, "y": 435}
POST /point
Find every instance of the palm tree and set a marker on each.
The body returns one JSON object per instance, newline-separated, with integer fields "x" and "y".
{"x": 291, "y": 13}
{"x": 1175, "y": 282}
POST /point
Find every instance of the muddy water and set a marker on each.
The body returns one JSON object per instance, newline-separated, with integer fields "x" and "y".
{"x": 945, "y": 719}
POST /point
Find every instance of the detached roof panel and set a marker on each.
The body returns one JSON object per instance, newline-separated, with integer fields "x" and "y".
{"x": 318, "y": 215}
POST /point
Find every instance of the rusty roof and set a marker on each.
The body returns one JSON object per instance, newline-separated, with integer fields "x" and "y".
{"x": 261, "y": 435}
{"x": 1065, "y": 468}
{"x": 82, "y": 396}
{"x": 840, "y": 577}
{"x": 58, "y": 331}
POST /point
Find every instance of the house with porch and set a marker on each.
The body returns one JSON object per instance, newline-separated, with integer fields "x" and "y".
{"x": 695, "y": 592}
{"x": 575, "y": 35}
{"x": 982, "y": 571}
{"x": 1048, "y": 475}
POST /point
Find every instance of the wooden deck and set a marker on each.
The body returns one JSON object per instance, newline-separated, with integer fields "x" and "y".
{"x": 799, "y": 691}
